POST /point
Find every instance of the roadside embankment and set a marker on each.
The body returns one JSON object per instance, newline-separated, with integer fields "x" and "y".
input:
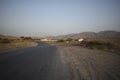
{"x": 87, "y": 64}
{"x": 16, "y": 45}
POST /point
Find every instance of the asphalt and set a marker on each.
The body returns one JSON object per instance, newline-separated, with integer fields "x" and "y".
{"x": 42, "y": 62}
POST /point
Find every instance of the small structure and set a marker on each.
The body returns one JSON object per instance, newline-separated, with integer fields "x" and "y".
{"x": 48, "y": 40}
{"x": 80, "y": 40}
{"x": 45, "y": 39}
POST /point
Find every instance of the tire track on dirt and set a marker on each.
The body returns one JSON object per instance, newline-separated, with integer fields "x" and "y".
{"x": 89, "y": 65}
{"x": 111, "y": 75}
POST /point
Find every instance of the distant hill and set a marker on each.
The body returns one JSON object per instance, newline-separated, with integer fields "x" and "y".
{"x": 102, "y": 34}
{"x": 8, "y": 37}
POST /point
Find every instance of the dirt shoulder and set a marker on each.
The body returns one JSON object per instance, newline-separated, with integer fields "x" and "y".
{"x": 16, "y": 45}
{"x": 89, "y": 64}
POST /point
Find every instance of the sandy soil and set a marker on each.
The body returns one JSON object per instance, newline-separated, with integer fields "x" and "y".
{"x": 16, "y": 45}
{"x": 89, "y": 64}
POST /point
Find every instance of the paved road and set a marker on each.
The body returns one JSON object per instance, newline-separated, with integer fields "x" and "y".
{"x": 38, "y": 63}
{"x": 48, "y": 62}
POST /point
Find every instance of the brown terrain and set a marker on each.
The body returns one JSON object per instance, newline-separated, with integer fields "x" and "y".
{"x": 59, "y": 61}
{"x": 91, "y": 59}
{"x": 89, "y": 64}
{"x": 12, "y": 43}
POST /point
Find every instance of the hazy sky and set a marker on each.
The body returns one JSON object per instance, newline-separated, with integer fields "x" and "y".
{"x": 57, "y": 17}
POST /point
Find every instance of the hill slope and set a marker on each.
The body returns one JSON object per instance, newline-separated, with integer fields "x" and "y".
{"x": 102, "y": 34}
{"x": 8, "y": 37}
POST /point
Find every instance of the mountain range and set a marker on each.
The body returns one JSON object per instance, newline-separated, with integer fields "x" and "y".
{"x": 8, "y": 37}
{"x": 101, "y": 34}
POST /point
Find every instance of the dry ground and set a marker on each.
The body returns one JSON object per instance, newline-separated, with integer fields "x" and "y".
{"x": 16, "y": 44}
{"x": 89, "y": 64}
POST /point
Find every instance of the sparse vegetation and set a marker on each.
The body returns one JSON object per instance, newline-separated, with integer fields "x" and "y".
{"x": 5, "y": 41}
{"x": 16, "y": 44}
{"x": 60, "y": 40}
{"x": 22, "y": 42}
{"x": 97, "y": 45}
{"x": 69, "y": 39}
{"x": 105, "y": 44}
{"x": 25, "y": 38}
{"x": 102, "y": 44}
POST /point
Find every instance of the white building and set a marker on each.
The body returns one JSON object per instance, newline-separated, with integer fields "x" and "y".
{"x": 48, "y": 40}
{"x": 80, "y": 40}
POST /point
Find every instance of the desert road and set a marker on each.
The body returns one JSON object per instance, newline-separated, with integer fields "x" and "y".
{"x": 50, "y": 62}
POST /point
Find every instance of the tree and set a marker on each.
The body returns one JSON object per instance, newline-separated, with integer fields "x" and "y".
{"x": 60, "y": 40}
{"x": 69, "y": 39}
{"x": 26, "y": 38}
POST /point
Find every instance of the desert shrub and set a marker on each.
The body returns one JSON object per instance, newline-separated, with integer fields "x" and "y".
{"x": 5, "y": 41}
{"x": 60, "y": 40}
{"x": 97, "y": 45}
{"x": 75, "y": 39}
{"x": 27, "y": 38}
{"x": 69, "y": 39}
{"x": 22, "y": 37}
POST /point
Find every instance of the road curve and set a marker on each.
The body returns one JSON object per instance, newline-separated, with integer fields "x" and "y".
{"x": 37, "y": 63}
{"x": 57, "y": 62}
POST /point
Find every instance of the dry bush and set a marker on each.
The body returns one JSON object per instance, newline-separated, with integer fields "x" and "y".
{"x": 15, "y": 44}
{"x": 107, "y": 44}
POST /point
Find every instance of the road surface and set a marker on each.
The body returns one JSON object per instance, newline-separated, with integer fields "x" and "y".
{"x": 50, "y": 62}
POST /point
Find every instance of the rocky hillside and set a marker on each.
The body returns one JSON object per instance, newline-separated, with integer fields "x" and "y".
{"x": 102, "y": 34}
{"x": 8, "y": 37}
